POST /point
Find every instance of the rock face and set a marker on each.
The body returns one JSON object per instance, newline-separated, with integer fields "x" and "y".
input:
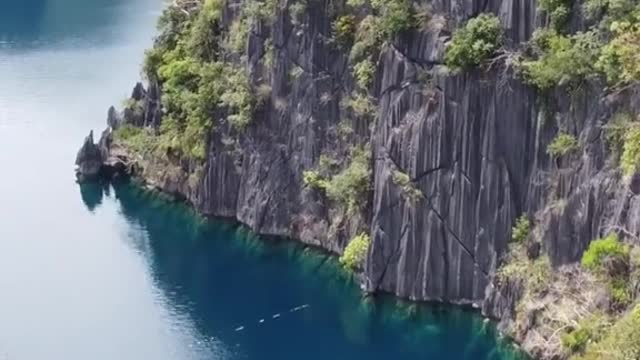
{"x": 474, "y": 144}
{"x": 101, "y": 160}
{"x": 89, "y": 160}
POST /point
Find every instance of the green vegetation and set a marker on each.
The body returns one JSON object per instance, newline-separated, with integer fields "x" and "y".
{"x": 344, "y": 29}
{"x": 605, "y": 257}
{"x": 609, "y": 48}
{"x": 615, "y": 131}
{"x": 200, "y": 34}
{"x": 385, "y": 20}
{"x": 198, "y": 85}
{"x": 396, "y": 16}
{"x": 238, "y": 36}
{"x": 601, "y": 249}
{"x": 535, "y": 274}
{"x": 137, "y": 139}
{"x": 520, "y": 231}
{"x": 364, "y": 72}
{"x": 562, "y": 60}
{"x": 407, "y": 187}
{"x": 356, "y": 252}
{"x": 369, "y": 38}
{"x": 619, "y": 290}
{"x": 237, "y": 97}
{"x": 612, "y": 9}
{"x": 562, "y": 144}
{"x": 588, "y": 330}
{"x": 557, "y": 11}
{"x": 361, "y": 105}
{"x": 297, "y": 10}
{"x": 619, "y": 59}
{"x": 136, "y": 106}
{"x": 348, "y": 187}
{"x": 619, "y": 342}
{"x": 622, "y": 136}
{"x": 630, "y": 151}
{"x": 474, "y": 43}
{"x": 314, "y": 180}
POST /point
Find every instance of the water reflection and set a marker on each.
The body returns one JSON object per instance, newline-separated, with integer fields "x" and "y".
{"x": 92, "y": 194}
{"x": 240, "y": 294}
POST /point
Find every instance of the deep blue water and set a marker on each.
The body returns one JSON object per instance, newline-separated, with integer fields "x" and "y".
{"x": 111, "y": 272}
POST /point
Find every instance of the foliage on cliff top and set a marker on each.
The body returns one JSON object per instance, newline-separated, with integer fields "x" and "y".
{"x": 356, "y": 252}
{"x": 199, "y": 85}
{"x": 137, "y": 139}
{"x": 475, "y": 42}
{"x": 608, "y": 48}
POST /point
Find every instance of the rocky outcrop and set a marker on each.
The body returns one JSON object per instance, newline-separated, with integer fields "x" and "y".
{"x": 102, "y": 160}
{"x": 89, "y": 160}
{"x": 501, "y": 301}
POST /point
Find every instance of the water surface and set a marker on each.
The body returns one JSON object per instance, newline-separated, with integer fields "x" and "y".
{"x": 104, "y": 272}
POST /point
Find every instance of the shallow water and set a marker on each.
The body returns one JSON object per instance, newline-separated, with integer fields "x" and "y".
{"x": 103, "y": 272}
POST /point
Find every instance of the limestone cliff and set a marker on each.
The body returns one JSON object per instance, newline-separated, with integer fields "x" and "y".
{"x": 473, "y": 143}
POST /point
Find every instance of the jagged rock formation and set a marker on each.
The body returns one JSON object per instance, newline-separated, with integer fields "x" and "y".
{"x": 474, "y": 145}
{"x": 89, "y": 160}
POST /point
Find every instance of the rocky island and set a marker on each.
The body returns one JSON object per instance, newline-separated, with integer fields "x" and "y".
{"x": 472, "y": 152}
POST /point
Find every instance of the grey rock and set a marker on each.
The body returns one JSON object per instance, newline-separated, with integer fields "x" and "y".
{"x": 138, "y": 93}
{"x": 113, "y": 118}
{"x": 88, "y": 160}
{"x": 501, "y": 300}
{"x": 533, "y": 250}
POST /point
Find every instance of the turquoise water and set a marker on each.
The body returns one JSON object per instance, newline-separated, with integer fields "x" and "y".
{"x": 110, "y": 272}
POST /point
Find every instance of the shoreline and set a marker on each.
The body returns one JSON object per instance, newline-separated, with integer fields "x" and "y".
{"x": 141, "y": 186}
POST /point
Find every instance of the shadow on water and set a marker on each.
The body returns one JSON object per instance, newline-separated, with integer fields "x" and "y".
{"x": 29, "y": 23}
{"x": 92, "y": 194}
{"x": 271, "y": 299}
